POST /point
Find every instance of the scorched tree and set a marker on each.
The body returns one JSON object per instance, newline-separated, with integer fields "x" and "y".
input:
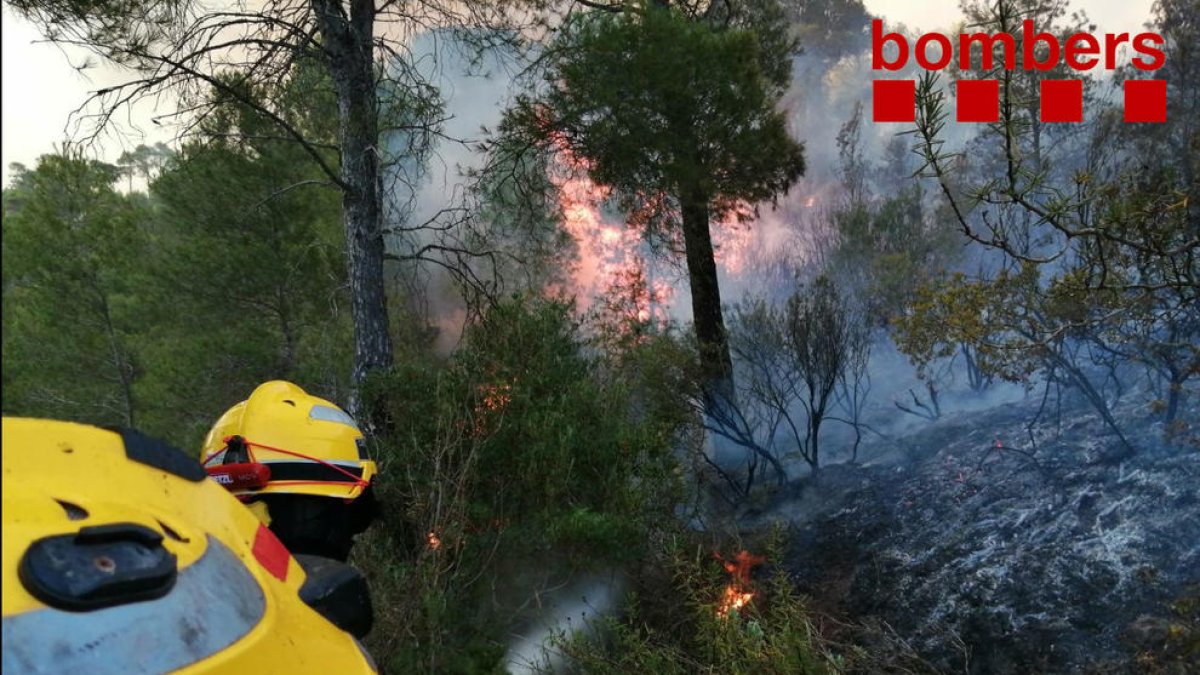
{"x": 673, "y": 109}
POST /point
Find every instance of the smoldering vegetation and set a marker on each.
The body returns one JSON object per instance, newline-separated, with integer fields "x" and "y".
{"x": 970, "y": 435}
{"x": 998, "y": 546}
{"x": 959, "y": 432}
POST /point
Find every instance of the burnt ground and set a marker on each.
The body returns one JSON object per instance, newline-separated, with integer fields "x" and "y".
{"x": 1042, "y": 555}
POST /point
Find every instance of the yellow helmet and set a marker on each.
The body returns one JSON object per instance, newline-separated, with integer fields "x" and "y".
{"x": 302, "y": 457}
{"x": 118, "y": 556}
{"x": 310, "y": 445}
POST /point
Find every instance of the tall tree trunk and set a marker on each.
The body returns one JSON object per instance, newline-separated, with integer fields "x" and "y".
{"x": 120, "y": 360}
{"x": 348, "y": 42}
{"x": 715, "y": 361}
{"x": 814, "y": 439}
{"x": 287, "y": 357}
{"x": 1174, "y": 392}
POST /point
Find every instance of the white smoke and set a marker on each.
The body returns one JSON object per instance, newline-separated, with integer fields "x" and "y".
{"x": 565, "y": 611}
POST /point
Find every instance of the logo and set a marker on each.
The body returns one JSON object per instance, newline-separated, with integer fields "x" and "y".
{"x": 978, "y": 100}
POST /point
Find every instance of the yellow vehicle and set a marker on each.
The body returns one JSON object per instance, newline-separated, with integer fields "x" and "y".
{"x": 120, "y": 557}
{"x": 301, "y": 457}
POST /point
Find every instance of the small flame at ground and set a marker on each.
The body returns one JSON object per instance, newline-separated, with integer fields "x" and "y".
{"x": 737, "y": 593}
{"x": 732, "y": 600}
{"x": 435, "y": 542}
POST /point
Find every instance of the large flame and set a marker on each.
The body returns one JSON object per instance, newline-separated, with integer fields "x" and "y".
{"x": 608, "y": 251}
{"x": 731, "y": 247}
{"x": 611, "y": 251}
{"x": 613, "y": 259}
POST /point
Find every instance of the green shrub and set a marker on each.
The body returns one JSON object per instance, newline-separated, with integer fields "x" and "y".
{"x": 527, "y": 459}
{"x": 679, "y": 628}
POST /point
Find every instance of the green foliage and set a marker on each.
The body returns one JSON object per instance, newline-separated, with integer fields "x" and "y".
{"x": 679, "y": 629}
{"x": 144, "y": 161}
{"x": 663, "y": 107}
{"x": 525, "y": 458}
{"x": 557, "y": 444}
{"x": 72, "y": 253}
{"x": 886, "y": 240}
{"x": 248, "y": 273}
{"x": 1089, "y": 255}
{"x": 1018, "y": 326}
{"x": 1038, "y": 142}
{"x": 677, "y": 116}
{"x": 531, "y": 454}
{"x": 954, "y": 310}
{"x": 163, "y": 310}
{"x": 830, "y": 28}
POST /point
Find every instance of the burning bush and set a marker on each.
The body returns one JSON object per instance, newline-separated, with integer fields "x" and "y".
{"x": 507, "y": 468}
{"x": 737, "y": 593}
{"x": 707, "y": 624}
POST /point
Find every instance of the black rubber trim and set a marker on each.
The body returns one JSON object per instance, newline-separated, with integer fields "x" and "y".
{"x": 338, "y": 592}
{"x": 365, "y": 510}
{"x": 215, "y": 603}
{"x": 152, "y": 452}
{"x": 98, "y": 567}
{"x": 312, "y": 471}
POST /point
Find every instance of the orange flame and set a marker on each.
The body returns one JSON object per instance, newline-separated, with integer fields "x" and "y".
{"x": 610, "y": 252}
{"x": 493, "y": 399}
{"x": 610, "y": 249}
{"x": 732, "y": 600}
{"x": 496, "y": 397}
{"x": 737, "y": 593}
{"x": 732, "y": 243}
{"x": 435, "y": 542}
{"x": 605, "y": 249}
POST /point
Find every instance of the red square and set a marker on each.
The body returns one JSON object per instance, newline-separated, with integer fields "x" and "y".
{"x": 271, "y": 553}
{"x": 1145, "y": 100}
{"x": 894, "y": 100}
{"x": 1062, "y": 100}
{"x": 978, "y": 100}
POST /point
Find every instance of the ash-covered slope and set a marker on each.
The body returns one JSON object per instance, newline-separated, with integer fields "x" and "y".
{"x": 991, "y": 554}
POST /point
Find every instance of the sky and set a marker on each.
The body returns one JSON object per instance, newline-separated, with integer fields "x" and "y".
{"x": 41, "y": 85}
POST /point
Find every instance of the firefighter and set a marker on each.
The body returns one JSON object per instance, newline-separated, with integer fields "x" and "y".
{"x": 300, "y": 462}
{"x": 120, "y": 556}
